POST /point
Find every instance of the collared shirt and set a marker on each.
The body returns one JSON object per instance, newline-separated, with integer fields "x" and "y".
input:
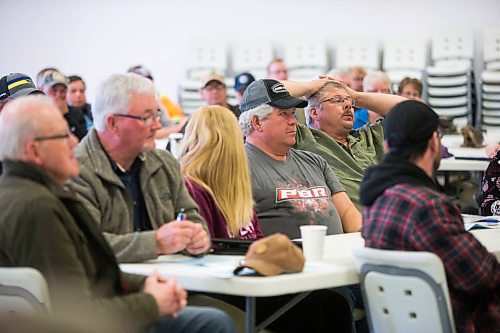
{"x": 131, "y": 181}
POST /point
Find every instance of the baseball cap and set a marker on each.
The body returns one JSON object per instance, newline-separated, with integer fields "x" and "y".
{"x": 54, "y": 78}
{"x": 212, "y": 76}
{"x": 409, "y": 123}
{"x": 273, "y": 255}
{"x": 242, "y": 81}
{"x": 142, "y": 71}
{"x": 272, "y": 92}
{"x": 16, "y": 85}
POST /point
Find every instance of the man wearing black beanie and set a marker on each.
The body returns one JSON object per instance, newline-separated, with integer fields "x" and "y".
{"x": 403, "y": 210}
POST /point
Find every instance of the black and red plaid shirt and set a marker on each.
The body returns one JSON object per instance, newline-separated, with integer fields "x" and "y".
{"x": 417, "y": 218}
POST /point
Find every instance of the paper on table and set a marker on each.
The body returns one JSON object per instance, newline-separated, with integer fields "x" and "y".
{"x": 480, "y": 222}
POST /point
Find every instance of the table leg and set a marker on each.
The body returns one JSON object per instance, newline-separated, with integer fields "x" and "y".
{"x": 250, "y": 315}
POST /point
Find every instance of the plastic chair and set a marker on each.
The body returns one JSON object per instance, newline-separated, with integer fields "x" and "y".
{"x": 449, "y": 84}
{"x": 404, "y": 291}
{"x": 252, "y": 56}
{"x": 306, "y": 59}
{"x": 23, "y": 290}
{"x": 488, "y": 112}
{"x": 362, "y": 52}
{"x": 404, "y": 58}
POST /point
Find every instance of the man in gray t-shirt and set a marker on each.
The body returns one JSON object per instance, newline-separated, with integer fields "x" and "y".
{"x": 290, "y": 187}
{"x": 293, "y": 192}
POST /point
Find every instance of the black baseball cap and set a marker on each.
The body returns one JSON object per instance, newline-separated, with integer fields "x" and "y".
{"x": 242, "y": 81}
{"x": 16, "y": 85}
{"x": 409, "y": 123}
{"x": 272, "y": 92}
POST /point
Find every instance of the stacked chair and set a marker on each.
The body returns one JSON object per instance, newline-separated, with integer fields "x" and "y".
{"x": 362, "y": 52}
{"x": 449, "y": 82}
{"x": 489, "y": 104}
{"x": 252, "y": 57}
{"x": 305, "y": 59}
{"x": 202, "y": 56}
{"x": 404, "y": 58}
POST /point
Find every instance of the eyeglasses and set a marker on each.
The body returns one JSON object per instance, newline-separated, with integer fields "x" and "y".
{"x": 53, "y": 137}
{"x": 337, "y": 99}
{"x": 147, "y": 120}
{"x": 214, "y": 86}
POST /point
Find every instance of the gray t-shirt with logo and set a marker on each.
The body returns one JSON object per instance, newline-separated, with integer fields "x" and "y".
{"x": 293, "y": 192}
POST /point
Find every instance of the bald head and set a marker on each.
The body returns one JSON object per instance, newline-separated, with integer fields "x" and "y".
{"x": 33, "y": 130}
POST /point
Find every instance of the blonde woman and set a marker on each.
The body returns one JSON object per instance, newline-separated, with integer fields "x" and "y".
{"x": 216, "y": 173}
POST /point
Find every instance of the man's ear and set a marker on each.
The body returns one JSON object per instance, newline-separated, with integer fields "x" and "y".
{"x": 256, "y": 123}
{"x": 111, "y": 123}
{"x": 31, "y": 153}
{"x": 314, "y": 113}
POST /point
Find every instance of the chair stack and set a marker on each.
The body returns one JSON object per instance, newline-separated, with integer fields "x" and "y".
{"x": 306, "y": 59}
{"x": 489, "y": 105}
{"x": 362, "y": 52}
{"x": 404, "y": 58}
{"x": 203, "y": 56}
{"x": 449, "y": 82}
{"x": 252, "y": 57}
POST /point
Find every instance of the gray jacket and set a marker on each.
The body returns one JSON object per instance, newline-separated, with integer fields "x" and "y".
{"x": 107, "y": 200}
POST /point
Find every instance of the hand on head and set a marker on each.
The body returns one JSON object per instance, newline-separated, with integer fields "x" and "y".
{"x": 324, "y": 78}
{"x": 168, "y": 294}
{"x": 176, "y": 236}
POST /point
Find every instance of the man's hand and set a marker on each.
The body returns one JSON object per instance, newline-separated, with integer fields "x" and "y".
{"x": 168, "y": 294}
{"x": 174, "y": 236}
{"x": 200, "y": 241}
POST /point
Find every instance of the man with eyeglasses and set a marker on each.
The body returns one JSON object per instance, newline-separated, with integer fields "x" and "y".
{"x": 13, "y": 86}
{"x": 330, "y": 134}
{"x": 133, "y": 191}
{"x": 44, "y": 226}
{"x": 214, "y": 92}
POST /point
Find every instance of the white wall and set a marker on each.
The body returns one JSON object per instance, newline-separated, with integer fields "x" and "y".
{"x": 95, "y": 38}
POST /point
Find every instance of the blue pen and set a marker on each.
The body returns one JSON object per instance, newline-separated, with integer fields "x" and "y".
{"x": 181, "y": 216}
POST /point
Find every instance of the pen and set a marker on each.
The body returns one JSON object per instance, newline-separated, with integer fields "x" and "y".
{"x": 181, "y": 216}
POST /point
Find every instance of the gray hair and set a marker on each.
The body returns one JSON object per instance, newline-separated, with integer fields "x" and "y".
{"x": 18, "y": 124}
{"x": 377, "y": 76}
{"x": 319, "y": 95}
{"x": 114, "y": 95}
{"x": 262, "y": 112}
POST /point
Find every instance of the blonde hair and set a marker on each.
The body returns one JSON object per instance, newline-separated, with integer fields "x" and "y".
{"x": 213, "y": 156}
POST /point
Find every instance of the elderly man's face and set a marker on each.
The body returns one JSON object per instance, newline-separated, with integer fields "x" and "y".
{"x": 55, "y": 148}
{"x": 335, "y": 112}
{"x": 214, "y": 93}
{"x": 138, "y": 135}
{"x": 279, "y": 129}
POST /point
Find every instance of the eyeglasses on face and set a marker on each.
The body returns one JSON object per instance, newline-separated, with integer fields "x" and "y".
{"x": 147, "y": 120}
{"x": 340, "y": 100}
{"x": 214, "y": 86}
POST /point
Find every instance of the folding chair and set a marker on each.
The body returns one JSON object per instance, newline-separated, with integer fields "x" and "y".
{"x": 449, "y": 82}
{"x": 252, "y": 56}
{"x": 306, "y": 59}
{"x": 488, "y": 112}
{"x": 23, "y": 290}
{"x": 404, "y": 291}
{"x": 404, "y": 58}
{"x": 362, "y": 52}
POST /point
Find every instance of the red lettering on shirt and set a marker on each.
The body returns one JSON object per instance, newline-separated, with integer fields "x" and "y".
{"x": 299, "y": 194}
